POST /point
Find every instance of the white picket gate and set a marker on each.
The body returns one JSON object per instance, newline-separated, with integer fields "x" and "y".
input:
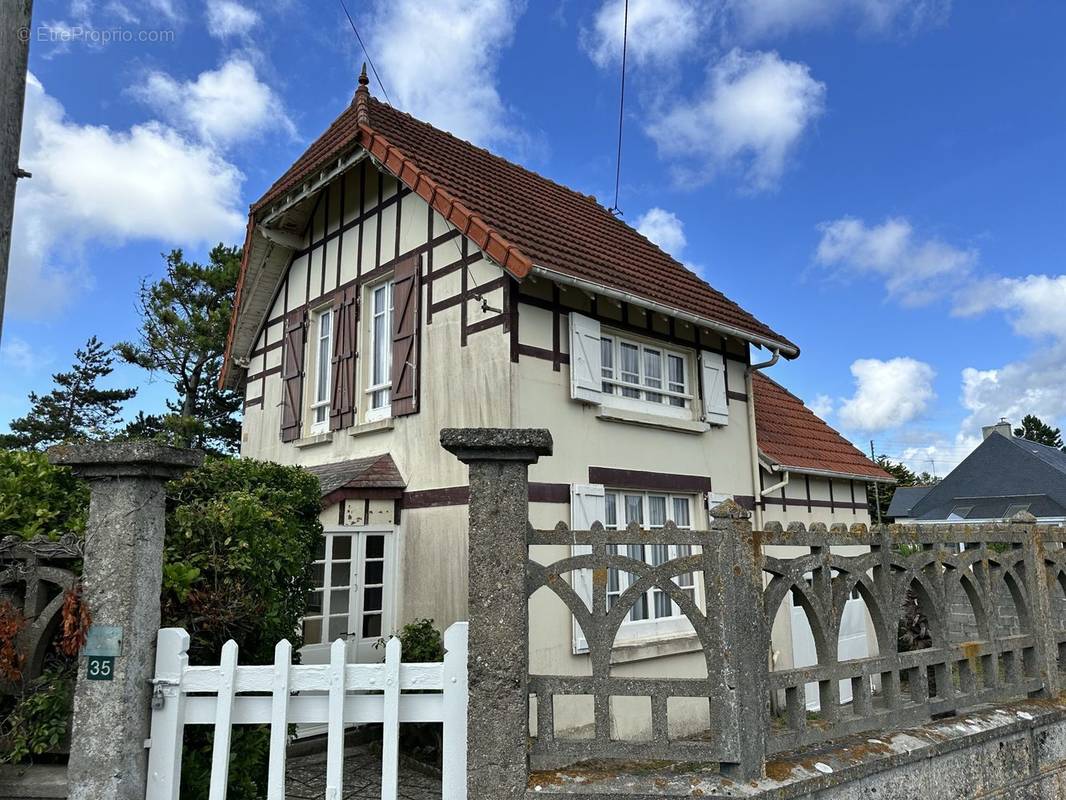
{"x": 336, "y": 694}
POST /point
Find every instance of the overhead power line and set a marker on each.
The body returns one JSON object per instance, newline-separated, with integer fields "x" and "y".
{"x": 369, "y": 60}
{"x": 621, "y": 110}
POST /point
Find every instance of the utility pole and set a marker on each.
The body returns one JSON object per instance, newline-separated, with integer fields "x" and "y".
{"x": 15, "y": 16}
{"x": 877, "y": 488}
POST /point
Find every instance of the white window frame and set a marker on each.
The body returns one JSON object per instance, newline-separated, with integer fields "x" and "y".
{"x": 356, "y": 564}
{"x": 676, "y": 624}
{"x": 322, "y": 367}
{"x": 383, "y": 411}
{"x": 613, "y": 385}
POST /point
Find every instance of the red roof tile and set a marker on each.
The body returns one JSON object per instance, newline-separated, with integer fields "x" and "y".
{"x": 792, "y": 435}
{"x": 518, "y": 217}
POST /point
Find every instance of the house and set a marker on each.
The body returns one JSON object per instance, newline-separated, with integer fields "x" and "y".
{"x": 397, "y": 280}
{"x": 1003, "y": 476}
{"x": 903, "y": 500}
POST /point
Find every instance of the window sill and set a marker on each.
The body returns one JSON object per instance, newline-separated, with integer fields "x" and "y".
{"x": 372, "y": 427}
{"x": 314, "y": 439}
{"x": 655, "y": 648}
{"x": 608, "y": 414}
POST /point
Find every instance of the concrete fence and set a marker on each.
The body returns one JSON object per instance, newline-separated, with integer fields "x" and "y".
{"x": 1014, "y": 571}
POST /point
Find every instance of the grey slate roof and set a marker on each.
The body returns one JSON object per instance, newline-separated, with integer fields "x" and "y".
{"x": 904, "y": 499}
{"x": 997, "y": 477}
{"x": 373, "y": 472}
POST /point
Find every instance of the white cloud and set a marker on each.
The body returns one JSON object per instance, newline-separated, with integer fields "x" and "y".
{"x": 220, "y": 107}
{"x": 915, "y": 270}
{"x": 1034, "y": 303}
{"x": 752, "y": 112}
{"x": 227, "y": 18}
{"x": 440, "y": 61}
{"x": 91, "y": 183}
{"x": 887, "y": 393}
{"x": 664, "y": 229}
{"x": 757, "y": 19}
{"x": 658, "y": 31}
{"x": 1034, "y": 385}
{"x": 16, "y": 353}
{"x": 822, "y": 406}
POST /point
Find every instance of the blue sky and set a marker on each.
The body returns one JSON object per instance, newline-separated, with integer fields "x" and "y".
{"x": 879, "y": 180}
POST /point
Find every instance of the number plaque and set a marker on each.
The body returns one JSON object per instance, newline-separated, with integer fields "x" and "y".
{"x": 101, "y": 668}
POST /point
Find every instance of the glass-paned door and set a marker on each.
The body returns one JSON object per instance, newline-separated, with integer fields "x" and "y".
{"x": 352, "y": 595}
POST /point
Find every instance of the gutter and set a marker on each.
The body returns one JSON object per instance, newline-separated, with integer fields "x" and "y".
{"x": 789, "y": 351}
{"x": 825, "y": 473}
{"x": 753, "y": 441}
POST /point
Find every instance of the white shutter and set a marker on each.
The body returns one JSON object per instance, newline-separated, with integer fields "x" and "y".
{"x": 715, "y": 406}
{"x": 586, "y": 506}
{"x": 586, "y": 376}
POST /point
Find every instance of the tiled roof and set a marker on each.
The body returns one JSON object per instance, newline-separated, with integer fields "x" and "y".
{"x": 373, "y": 472}
{"x": 519, "y": 218}
{"x": 792, "y": 435}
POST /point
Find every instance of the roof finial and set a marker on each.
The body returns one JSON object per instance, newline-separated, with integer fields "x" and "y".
{"x": 362, "y": 99}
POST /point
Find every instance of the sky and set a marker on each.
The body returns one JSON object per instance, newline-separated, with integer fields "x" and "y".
{"x": 881, "y": 181}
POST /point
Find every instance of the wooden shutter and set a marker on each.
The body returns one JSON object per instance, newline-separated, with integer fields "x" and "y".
{"x": 342, "y": 405}
{"x": 292, "y": 374}
{"x": 407, "y": 294}
{"x": 586, "y": 372}
{"x": 587, "y": 505}
{"x": 712, "y": 373}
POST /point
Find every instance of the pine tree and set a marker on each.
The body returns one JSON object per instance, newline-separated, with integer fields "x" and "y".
{"x": 76, "y": 409}
{"x": 184, "y": 320}
{"x": 1036, "y": 430}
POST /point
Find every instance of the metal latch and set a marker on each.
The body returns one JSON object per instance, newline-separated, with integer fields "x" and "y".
{"x": 159, "y": 696}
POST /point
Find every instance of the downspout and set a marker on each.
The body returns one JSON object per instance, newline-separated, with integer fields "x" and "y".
{"x": 749, "y": 383}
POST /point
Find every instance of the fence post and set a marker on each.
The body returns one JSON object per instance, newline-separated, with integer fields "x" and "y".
{"x": 1045, "y": 642}
{"x": 123, "y": 575}
{"x": 746, "y": 639}
{"x": 498, "y": 719}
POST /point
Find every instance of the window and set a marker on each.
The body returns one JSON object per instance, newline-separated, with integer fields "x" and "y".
{"x": 1015, "y": 508}
{"x": 380, "y": 378}
{"x": 323, "y": 350}
{"x": 961, "y": 512}
{"x": 640, "y": 374}
{"x": 651, "y": 511}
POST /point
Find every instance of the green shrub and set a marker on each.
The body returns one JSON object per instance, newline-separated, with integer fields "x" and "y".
{"x": 37, "y": 498}
{"x": 240, "y": 539}
{"x": 39, "y": 720}
{"x": 421, "y": 643}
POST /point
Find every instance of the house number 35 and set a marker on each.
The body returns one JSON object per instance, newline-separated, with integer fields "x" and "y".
{"x": 101, "y": 668}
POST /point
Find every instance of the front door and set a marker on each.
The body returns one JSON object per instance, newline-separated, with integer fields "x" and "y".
{"x": 352, "y": 596}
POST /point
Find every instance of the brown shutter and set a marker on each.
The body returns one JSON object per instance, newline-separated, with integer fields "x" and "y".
{"x": 345, "y": 324}
{"x": 292, "y": 374}
{"x": 407, "y": 292}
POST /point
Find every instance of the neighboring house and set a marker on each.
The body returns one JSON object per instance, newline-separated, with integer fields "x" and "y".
{"x": 1003, "y": 476}
{"x": 903, "y": 500}
{"x": 397, "y": 280}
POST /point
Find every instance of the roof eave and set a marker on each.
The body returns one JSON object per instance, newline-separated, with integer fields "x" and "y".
{"x": 779, "y": 466}
{"x": 789, "y": 351}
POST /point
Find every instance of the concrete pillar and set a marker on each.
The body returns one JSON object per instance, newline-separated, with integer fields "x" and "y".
{"x": 1042, "y": 620}
{"x": 746, "y": 639}
{"x": 123, "y": 575}
{"x": 498, "y": 664}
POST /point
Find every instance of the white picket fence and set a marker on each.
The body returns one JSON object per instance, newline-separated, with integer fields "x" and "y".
{"x": 335, "y": 694}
